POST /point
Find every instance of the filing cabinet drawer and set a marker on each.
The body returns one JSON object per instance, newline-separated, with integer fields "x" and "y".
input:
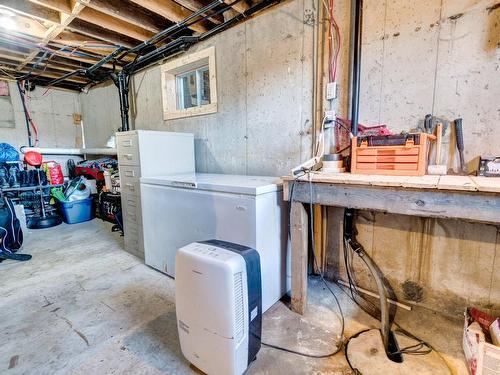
{"x": 129, "y": 179}
{"x": 134, "y": 245}
{"x": 131, "y": 209}
{"x": 128, "y": 149}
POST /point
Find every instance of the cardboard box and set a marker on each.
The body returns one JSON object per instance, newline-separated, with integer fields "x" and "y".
{"x": 482, "y": 357}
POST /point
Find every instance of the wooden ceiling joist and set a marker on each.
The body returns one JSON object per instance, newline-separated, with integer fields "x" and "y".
{"x": 32, "y": 10}
{"x": 130, "y": 14}
{"x": 171, "y": 11}
{"x": 56, "y": 29}
{"x": 14, "y": 59}
{"x": 59, "y": 5}
{"x": 240, "y": 6}
{"x": 12, "y": 70}
{"x": 114, "y": 24}
{"x": 53, "y": 37}
{"x": 195, "y": 5}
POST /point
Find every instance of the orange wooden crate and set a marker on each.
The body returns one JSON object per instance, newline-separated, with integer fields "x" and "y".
{"x": 405, "y": 160}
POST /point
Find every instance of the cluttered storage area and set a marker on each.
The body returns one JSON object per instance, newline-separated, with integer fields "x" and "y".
{"x": 249, "y": 187}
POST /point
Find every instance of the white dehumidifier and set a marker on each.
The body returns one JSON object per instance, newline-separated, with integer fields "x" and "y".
{"x": 218, "y": 297}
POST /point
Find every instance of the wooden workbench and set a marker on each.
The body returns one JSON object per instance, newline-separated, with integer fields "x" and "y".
{"x": 457, "y": 197}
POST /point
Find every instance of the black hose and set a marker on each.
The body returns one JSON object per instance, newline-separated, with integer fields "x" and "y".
{"x": 21, "y": 93}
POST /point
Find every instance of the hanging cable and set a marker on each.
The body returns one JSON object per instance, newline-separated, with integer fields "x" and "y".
{"x": 29, "y": 121}
{"x": 339, "y": 344}
{"x": 30, "y": 143}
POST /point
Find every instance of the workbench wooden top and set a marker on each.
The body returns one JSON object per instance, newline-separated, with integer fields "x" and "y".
{"x": 428, "y": 182}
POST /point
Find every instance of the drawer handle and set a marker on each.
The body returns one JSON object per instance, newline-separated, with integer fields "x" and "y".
{"x": 127, "y": 143}
{"x": 127, "y": 156}
{"x": 131, "y": 203}
{"x": 129, "y": 173}
{"x": 130, "y": 186}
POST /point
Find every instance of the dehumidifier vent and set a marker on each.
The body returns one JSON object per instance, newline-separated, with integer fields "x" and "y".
{"x": 238, "y": 306}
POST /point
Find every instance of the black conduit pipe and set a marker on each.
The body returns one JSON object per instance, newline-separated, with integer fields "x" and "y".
{"x": 355, "y": 68}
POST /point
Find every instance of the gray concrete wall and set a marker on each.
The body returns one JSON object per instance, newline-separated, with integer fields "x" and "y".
{"x": 419, "y": 57}
{"x": 101, "y": 114}
{"x": 264, "y": 79}
{"x": 416, "y": 60}
{"x": 433, "y": 56}
{"x": 52, "y": 113}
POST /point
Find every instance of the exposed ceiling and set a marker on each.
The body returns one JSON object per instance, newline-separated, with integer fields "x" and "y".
{"x": 43, "y": 40}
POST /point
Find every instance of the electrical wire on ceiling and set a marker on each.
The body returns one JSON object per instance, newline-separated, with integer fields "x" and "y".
{"x": 339, "y": 344}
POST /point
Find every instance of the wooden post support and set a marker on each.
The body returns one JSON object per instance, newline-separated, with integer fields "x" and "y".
{"x": 299, "y": 237}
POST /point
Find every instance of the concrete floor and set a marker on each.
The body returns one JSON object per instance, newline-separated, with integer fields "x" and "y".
{"x": 83, "y": 305}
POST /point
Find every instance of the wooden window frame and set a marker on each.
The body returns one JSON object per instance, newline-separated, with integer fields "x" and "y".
{"x": 169, "y": 72}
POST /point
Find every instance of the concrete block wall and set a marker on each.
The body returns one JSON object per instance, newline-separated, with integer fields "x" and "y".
{"x": 52, "y": 113}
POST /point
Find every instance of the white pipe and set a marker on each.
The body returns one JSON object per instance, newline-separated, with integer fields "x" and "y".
{"x": 399, "y": 304}
{"x": 83, "y": 133}
{"x": 71, "y": 151}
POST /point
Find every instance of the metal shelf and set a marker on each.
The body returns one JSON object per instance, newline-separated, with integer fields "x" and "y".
{"x": 28, "y": 188}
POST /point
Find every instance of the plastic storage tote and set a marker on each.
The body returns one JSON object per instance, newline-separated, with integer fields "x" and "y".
{"x": 77, "y": 211}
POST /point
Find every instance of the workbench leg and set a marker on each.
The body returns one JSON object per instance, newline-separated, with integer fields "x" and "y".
{"x": 299, "y": 237}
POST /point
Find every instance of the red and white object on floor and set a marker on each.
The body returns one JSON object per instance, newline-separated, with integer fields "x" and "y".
{"x": 483, "y": 358}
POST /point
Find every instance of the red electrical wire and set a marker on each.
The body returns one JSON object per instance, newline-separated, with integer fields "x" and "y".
{"x": 334, "y": 38}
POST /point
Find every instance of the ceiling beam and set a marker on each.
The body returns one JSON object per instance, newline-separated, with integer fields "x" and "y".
{"x": 15, "y": 58}
{"x": 56, "y": 29}
{"x": 47, "y": 73}
{"x": 98, "y": 32}
{"x": 240, "y": 6}
{"x": 59, "y": 5}
{"x": 195, "y": 5}
{"x": 28, "y": 26}
{"x": 31, "y": 10}
{"x": 114, "y": 24}
{"x": 170, "y": 10}
{"x": 126, "y": 13}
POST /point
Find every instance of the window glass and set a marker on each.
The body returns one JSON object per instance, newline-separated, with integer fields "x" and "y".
{"x": 204, "y": 85}
{"x": 193, "y": 88}
{"x": 186, "y": 90}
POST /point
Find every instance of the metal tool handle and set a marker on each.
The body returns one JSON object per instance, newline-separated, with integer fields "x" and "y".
{"x": 459, "y": 134}
{"x": 428, "y": 123}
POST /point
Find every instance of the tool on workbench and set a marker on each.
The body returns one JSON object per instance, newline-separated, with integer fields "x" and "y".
{"x": 460, "y": 144}
{"x": 489, "y": 166}
{"x": 428, "y": 124}
{"x": 438, "y": 168}
{"x": 400, "y": 155}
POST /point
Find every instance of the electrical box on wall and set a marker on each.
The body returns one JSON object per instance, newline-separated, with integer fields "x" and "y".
{"x": 331, "y": 90}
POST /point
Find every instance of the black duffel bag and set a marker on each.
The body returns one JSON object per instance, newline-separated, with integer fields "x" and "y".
{"x": 11, "y": 234}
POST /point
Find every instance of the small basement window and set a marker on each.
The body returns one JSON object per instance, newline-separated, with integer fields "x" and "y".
{"x": 189, "y": 85}
{"x": 193, "y": 88}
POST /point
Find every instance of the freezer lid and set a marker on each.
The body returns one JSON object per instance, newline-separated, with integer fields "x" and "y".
{"x": 238, "y": 184}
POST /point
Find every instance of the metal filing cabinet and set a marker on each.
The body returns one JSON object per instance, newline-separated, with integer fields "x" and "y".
{"x": 146, "y": 153}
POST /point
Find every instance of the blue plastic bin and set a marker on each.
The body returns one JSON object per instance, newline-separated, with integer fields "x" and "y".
{"x": 77, "y": 211}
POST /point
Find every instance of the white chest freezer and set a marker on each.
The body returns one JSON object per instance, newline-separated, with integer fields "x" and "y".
{"x": 247, "y": 210}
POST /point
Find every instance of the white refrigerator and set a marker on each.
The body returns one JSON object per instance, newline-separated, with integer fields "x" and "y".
{"x": 247, "y": 210}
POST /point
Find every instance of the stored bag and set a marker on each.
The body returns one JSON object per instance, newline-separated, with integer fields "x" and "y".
{"x": 11, "y": 234}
